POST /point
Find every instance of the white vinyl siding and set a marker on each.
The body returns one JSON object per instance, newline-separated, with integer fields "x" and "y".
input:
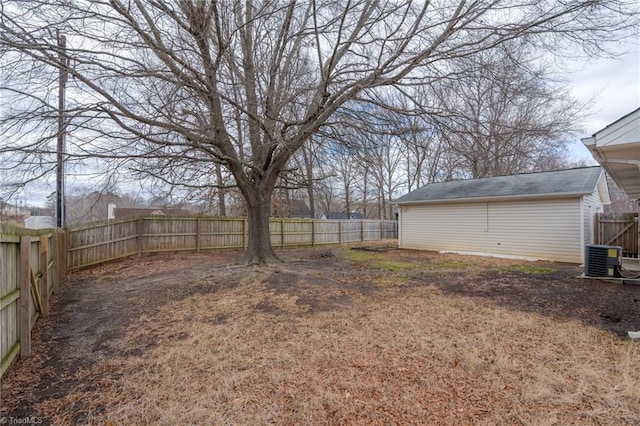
{"x": 540, "y": 229}
{"x": 443, "y": 227}
{"x": 592, "y": 204}
{"x": 622, "y": 131}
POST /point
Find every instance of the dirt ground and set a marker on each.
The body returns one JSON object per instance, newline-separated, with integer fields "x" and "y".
{"x": 115, "y": 326}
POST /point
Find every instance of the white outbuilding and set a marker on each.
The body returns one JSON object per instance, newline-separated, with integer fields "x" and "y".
{"x": 535, "y": 216}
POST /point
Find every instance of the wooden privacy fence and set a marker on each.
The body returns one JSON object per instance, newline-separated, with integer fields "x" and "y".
{"x": 32, "y": 267}
{"x": 97, "y": 243}
{"x": 621, "y": 230}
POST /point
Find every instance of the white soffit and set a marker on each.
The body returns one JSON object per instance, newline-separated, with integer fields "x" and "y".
{"x": 617, "y": 149}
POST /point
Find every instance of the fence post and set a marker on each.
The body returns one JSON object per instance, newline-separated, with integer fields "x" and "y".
{"x": 361, "y": 230}
{"x": 55, "y": 256}
{"x": 198, "y": 234}
{"x": 140, "y": 225}
{"x": 244, "y": 233}
{"x": 382, "y": 229}
{"x": 44, "y": 272}
{"x": 61, "y": 249}
{"x": 64, "y": 245}
{"x": 339, "y": 232}
{"x": 313, "y": 232}
{"x": 282, "y": 233}
{"x": 25, "y": 297}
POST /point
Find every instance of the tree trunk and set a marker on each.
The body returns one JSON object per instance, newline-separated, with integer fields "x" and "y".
{"x": 287, "y": 196}
{"x": 347, "y": 199}
{"x": 310, "y": 186}
{"x": 365, "y": 190}
{"x": 259, "y": 250}
{"x": 222, "y": 209}
{"x": 312, "y": 200}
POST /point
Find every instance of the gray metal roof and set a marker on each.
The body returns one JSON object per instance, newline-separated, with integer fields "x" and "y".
{"x": 579, "y": 181}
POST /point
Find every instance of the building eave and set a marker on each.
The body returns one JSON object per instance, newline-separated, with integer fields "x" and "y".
{"x": 497, "y": 198}
{"x": 617, "y": 149}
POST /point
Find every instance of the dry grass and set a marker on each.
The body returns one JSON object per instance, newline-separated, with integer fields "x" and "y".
{"x": 447, "y": 362}
{"x": 249, "y": 354}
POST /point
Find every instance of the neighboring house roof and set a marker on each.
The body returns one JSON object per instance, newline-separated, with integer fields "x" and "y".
{"x": 570, "y": 182}
{"x": 342, "y": 215}
{"x": 335, "y": 215}
{"x": 300, "y": 209}
{"x": 120, "y": 212}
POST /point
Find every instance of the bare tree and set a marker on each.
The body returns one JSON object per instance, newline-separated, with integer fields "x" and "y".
{"x": 172, "y": 88}
{"x": 341, "y": 161}
{"x": 425, "y": 158}
{"x": 313, "y": 167}
{"x": 382, "y": 155}
{"x": 305, "y": 161}
{"x": 327, "y": 195}
{"x": 620, "y": 202}
{"x": 502, "y": 115}
{"x": 346, "y": 171}
{"x": 90, "y": 207}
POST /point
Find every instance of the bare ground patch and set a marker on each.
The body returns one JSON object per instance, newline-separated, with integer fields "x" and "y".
{"x": 333, "y": 336}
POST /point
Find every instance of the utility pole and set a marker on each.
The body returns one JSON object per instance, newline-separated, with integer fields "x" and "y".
{"x": 62, "y": 84}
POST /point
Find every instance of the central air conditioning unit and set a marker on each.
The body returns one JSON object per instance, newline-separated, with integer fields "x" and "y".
{"x": 602, "y": 261}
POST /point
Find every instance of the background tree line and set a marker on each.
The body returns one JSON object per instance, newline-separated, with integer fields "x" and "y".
{"x": 352, "y": 100}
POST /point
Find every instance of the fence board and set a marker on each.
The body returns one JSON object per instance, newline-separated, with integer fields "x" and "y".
{"x": 104, "y": 242}
{"x": 9, "y": 302}
{"x": 30, "y": 263}
{"x": 621, "y": 230}
{"x": 24, "y": 316}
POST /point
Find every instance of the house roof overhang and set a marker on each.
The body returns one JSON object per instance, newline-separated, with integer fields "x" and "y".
{"x": 551, "y": 196}
{"x": 617, "y": 149}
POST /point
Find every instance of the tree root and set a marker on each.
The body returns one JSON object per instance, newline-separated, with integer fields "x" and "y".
{"x": 262, "y": 260}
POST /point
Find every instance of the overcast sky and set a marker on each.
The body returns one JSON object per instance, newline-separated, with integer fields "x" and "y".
{"x": 614, "y": 87}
